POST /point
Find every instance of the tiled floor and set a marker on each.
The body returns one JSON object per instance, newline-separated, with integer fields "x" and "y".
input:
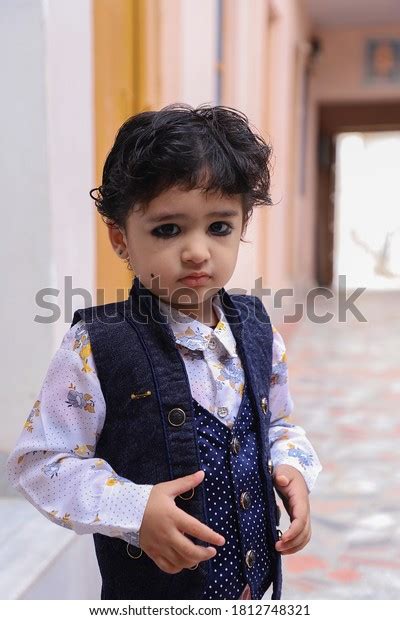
{"x": 345, "y": 382}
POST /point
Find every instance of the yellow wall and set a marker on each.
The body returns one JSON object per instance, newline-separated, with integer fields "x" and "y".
{"x": 120, "y": 91}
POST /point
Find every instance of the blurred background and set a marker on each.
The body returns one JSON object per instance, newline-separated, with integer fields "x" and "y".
{"x": 320, "y": 79}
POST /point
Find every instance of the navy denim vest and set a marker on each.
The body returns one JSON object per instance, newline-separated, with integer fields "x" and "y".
{"x": 149, "y": 435}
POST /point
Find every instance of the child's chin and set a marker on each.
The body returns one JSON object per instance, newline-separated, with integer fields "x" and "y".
{"x": 189, "y": 296}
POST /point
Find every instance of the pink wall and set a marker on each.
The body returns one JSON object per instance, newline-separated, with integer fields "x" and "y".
{"x": 264, "y": 52}
{"x": 262, "y": 71}
{"x": 339, "y": 72}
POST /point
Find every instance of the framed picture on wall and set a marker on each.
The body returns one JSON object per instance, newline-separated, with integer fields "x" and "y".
{"x": 382, "y": 61}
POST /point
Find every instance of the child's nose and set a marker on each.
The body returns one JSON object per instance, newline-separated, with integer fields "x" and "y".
{"x": 196, "y": 252}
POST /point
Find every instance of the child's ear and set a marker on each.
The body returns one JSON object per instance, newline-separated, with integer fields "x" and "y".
{"x": 118, "y": 240}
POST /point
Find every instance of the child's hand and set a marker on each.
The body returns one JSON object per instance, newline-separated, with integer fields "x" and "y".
{"x": 292, "y": 489}
{"x": 164, "y": 525}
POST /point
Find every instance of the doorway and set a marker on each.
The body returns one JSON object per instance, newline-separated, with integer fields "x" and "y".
{"x": 367, "y": 210}
{"x": 357, "y": 164}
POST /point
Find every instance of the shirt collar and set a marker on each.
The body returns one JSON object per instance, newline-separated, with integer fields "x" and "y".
{"x": 194, "y": 335}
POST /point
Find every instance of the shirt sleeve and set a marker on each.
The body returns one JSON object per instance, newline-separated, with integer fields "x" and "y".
{"x": 53, "y": 462}
{"x": 288, "y": 442}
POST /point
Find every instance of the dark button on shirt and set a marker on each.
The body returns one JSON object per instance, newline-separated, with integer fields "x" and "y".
{"x": 235, "y": 445}
{"x": 250, "y": 558}
{"x": 245, "y": 500}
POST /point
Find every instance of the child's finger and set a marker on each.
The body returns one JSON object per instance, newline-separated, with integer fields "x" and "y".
{"x": 185, "y": 561}
{"x": 282, "y": 480}
{"x": 189, "y": 525}
{"x": 297, "y": 534}
{"x": 300, "y": 509}
{"x": 167, "y": 566}
{"x": 289, "y": 543}
{"x": 295, "y": 549}
{"x": 189, "y": 552}
{"x": 184, "y": 484}
{"x": 296, "y": 527}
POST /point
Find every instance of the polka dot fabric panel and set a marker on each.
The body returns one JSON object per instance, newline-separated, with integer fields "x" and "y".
{"x": 236, "y": 504}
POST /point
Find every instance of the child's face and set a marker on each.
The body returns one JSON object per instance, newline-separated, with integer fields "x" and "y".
{"x": 198, "y": 233}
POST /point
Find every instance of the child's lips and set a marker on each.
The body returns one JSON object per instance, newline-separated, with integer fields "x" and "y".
{"x": 194, "y": 280}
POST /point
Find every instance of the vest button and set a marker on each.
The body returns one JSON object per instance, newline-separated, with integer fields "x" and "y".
{"x": 250, "y": 558}
{"x": 245, "y": 500}
{"x": 264, "y": 404}
{"x": 212, "y": 343}
{"x": 187, "y": 494}
{"x": 176, "y": 417}
{"x": 193, "y": 567}
{"x": 270, "y": 467}
{"x": 134, "y": 552}
{"x": 235, "y": 445}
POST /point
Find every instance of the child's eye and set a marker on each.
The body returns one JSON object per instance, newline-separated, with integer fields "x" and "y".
{"x": 165, "y": 230}
{"x": 216, "y": 228}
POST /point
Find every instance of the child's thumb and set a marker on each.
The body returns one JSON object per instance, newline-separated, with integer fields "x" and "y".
{"x": 282, "y": 480}
{"x": 186, "y": 483}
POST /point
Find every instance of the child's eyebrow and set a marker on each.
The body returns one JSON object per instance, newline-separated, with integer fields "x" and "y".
{"x": 184, "y": 216}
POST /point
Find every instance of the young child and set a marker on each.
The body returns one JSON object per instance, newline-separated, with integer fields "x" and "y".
{"x": 162, "y": 425}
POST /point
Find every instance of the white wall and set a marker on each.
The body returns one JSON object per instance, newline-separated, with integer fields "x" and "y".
{"x": 199, "y": 33}
{"x": 25, "y": 210}
{"x": 188, "y": 51}
{"x": 46, "y": 173}
{"x": 46, "y": 170}
{"x": 70, "y": 140}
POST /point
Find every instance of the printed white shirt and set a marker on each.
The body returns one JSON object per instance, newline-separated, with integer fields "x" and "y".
{"x": 53, "y": 462}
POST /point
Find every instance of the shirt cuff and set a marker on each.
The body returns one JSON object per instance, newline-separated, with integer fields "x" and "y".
{"x": 133, "y": 538}
{"x": 309, "y": 474}
{"x": 122, "y": 507}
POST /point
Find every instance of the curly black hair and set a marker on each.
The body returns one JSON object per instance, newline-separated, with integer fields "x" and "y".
{"x": 211, "y": 148}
